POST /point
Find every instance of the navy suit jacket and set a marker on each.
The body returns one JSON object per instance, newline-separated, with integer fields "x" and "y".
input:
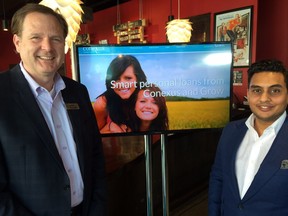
{"x": 33, "y": 180}
{"x": 267, "y": 194}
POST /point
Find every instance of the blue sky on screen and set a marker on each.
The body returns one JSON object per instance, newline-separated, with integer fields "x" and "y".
{"x": 177, "y": 73}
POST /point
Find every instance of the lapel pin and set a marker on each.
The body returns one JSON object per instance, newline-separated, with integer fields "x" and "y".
{"x": 72, "y": 106}
{"x": 284, "y": 164}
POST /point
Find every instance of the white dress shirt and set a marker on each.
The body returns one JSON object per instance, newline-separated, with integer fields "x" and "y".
{"x": 54, "y": 111}
{"x": 253, "y": 150}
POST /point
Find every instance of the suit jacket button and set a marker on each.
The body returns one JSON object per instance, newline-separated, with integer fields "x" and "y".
{"x": 240, "y": 206}
{"x": 66, "y": 187}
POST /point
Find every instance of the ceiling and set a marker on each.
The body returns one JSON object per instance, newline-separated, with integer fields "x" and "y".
{"x": 8, "y": 7}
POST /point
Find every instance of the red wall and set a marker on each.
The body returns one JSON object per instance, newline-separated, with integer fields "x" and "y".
{"x": 8, "y": 54}
{"x": 273, "y": 30}
{"x": 156, "y": 13}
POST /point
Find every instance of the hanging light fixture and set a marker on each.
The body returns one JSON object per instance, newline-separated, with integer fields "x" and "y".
{"x": 170, "y": 17}
{"x": 71, "y": 10}
{"x": 5, "y": 22}
{"x": 178, "y": 30}
{"x": 5, "y": 25}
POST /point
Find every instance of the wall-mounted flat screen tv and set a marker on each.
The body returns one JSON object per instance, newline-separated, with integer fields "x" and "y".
{"x": 157, "y": 88}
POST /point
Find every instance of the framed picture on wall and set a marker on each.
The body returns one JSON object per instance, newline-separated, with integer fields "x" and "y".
{"x": 236, "y": 26}
{"x": 237, "y": 78}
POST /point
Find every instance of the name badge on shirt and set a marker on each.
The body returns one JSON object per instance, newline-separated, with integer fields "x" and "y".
{"x": 284, "y": 164}
{"x": 72, "y": 106}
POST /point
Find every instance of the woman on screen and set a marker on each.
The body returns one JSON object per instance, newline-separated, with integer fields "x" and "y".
{"x": 111, "y": 108}
{"x": 150, "y": 112}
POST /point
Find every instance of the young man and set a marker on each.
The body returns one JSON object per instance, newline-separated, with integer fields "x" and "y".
{"x": 250, "y": 173}
{"x": 51, "y": 159}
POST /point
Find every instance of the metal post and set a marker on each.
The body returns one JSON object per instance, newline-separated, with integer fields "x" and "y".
{"x": 148, "y": 163}
{"x": 165, "y": 191}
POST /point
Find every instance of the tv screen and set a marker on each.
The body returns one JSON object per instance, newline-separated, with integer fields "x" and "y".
{"x": 157, "y": 88}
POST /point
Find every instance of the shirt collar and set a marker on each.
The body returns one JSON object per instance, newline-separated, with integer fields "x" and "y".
{"x": 36, "y": 88}
{"x": 275, "y": 126}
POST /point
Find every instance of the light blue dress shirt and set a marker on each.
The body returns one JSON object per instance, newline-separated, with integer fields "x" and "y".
{"x": 54, "y": 111}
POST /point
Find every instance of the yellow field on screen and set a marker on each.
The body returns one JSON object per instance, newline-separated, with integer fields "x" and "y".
{"x": 197, "y": 114}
